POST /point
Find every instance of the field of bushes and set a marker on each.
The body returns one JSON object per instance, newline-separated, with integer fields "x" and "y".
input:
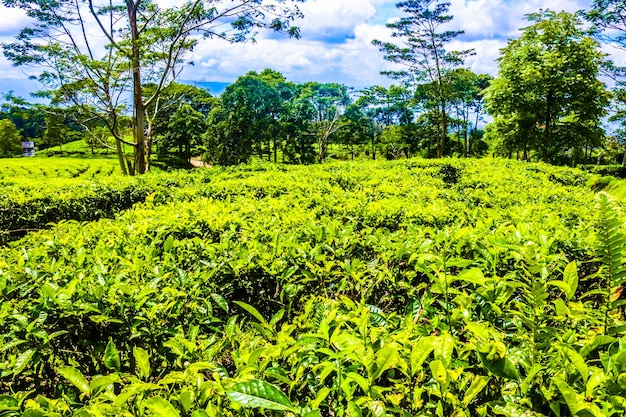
{"x": 404, "y": 288}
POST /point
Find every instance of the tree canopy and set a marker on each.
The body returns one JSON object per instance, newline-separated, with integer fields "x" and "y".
{"x": 547, "y": 97}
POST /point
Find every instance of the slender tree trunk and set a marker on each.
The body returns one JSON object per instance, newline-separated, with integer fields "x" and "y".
{"x": 120, "y": 155}
{"x": 275, "y": 151}
{"x": 624, "y": 159}
{"x": 444, "y": 130}
{"x": 140, "y": 111}
{"x": 548, "y": 129}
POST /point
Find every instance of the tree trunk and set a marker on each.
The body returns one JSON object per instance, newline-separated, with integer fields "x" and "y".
{"x": 444, "y": 130}
{"x": 374, "y": 147}
{"x": 120, "y": 155}
{"x": 275, "y": 151}
{"x": 140, "y": 111}
{"x": 548, "y": 129}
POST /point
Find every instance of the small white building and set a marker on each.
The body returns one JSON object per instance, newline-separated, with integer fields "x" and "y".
{"x": 28, "y": 148}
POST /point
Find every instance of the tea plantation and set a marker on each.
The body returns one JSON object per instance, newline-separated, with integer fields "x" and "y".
{"x": 406, "y": 288}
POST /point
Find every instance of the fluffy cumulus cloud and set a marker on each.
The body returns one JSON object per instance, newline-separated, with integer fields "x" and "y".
{"x": 11, "y": 21}
{"x": 335, "y": 46}
{"x": 488, "y": 19}
{"x": 337, "y": 36}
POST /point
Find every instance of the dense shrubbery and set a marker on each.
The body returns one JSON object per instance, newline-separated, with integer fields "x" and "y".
{"x": 405, "y": 288}
{"x": 617, "y": 171}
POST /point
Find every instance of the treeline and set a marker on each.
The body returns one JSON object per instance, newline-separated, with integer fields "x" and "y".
{"x": 265, "y": 115}
{"x": 548, "y": 102}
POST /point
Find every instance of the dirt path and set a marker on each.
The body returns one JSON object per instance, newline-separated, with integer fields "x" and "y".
{"x": 197, "y": 162}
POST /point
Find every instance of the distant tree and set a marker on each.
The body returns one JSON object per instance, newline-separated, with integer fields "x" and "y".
{"x": 329, "y": 101}
{"x": 29, "y": 118}
{"x": 247, "y": 118}
{"x": 388, "y": 107}
{"x": 467, "y": 103}
{"x": 161, "y": 113}
{"x": 547, "y": 96}
{"x": 357, "y": 129}
{"x": 296, "y": 122}
{"x": 619, "y": 116}
{"x": 10, "y": 139}
{"x": 184, "y": 130}
{"x": 422, "y": 51}
{"x": 56, "y": 133}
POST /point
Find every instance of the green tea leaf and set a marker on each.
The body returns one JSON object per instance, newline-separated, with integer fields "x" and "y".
{"x": 577, "y": 361}
{"x": 22, "y": 361}
{"x": 438, "y": 369}
{"x": 112, "y": 356}
{"x": 8, "y": 403}
{"x": 220, "y": 301}
{"x": 75, "y": 377}
{"x": 386, "y": 358}
{"x": 503, "y": 368}
{"x": 478, "y": 384}
{"x": 574, "y": 401}
{"x": 253, "y": 311}
{"x": 596, "y": 379}
{"x": 509, "y": 409}
{"x": 260, "y": 394}
{"x": 420, "y": 352}
{"x": 378, "y": 409}
{"x": 444, "y": 347}
{"x": 570, "y": 277}
{"x": 142, "y": 362}
{"x": 161, "y": 407}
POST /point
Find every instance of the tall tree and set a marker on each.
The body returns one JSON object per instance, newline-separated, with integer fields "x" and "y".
{"x": 329, "y": 102}
{"x": 165, "y": 116}
{"x": 388, "y": 107}
{"x": 422, "y": 51}
{"x": 547, "y": 96}
{"x": 10, "y": 141}
{"x": 467, "y": 102}
{"x": 29, "y": 118}
{"x": 145, "y": 43}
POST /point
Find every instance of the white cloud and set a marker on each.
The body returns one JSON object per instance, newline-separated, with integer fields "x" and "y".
{"x": 12, "y": 20}
{"x": 336, "y": 40}
{"x": 486, "y": 19}
{"x": 334, "y": 15}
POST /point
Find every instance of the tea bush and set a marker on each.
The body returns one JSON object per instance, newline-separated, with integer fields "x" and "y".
{"x": 408, "y": 288}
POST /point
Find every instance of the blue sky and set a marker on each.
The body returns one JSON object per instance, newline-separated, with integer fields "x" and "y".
{"x": 336, "y": 42}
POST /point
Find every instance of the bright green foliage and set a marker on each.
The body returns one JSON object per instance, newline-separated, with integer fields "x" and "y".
{"x": 184, "y": 130}
{"x": 547, "y": 97}
{"x": 328, "y": 102}
{"x": 246, "y": 119}
{"x": 612, "y": 242}
{"x": 445, "y": 288}
{"x": 56, "y": 132}
{"x": 10, "y": 139}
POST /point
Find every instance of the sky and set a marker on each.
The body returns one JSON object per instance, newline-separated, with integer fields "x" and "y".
{"x": 336, "y": 42}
